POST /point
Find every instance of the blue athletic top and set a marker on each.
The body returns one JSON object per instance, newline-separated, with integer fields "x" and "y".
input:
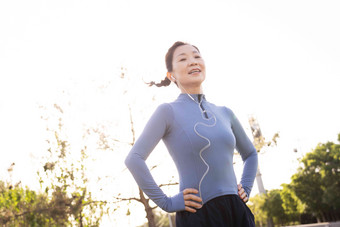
{"x": 201, "y": 138}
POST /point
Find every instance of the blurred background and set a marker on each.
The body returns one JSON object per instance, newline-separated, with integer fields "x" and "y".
{"x": 73, "y": 99}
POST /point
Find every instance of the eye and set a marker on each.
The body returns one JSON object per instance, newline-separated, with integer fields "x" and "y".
{"x": 182, "y": 59}
{"x": 197, "y": 56}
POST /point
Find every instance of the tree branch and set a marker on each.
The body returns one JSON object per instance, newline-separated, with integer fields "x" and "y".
{"x": 87, "y": 203}
{"x": 132, "y": 127}
{"x": 169, "y": 184}
{"x": 153, "y": 167}
{"x": 128, "y": 199}
{"x": 130, "y": 143}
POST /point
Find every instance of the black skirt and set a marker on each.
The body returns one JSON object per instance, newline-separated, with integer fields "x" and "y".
{"x": 226, "y": 210}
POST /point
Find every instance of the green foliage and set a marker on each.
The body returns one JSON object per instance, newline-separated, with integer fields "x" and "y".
{"x": 63, "y": 179}
{"x": 23, "y": 207}
{"x": 162, "y": 220}
{"x": 256, "y": 206}
{"x": 272, "y": 205}
{"x": 317, "y": 182}
{"x": 313, "y": 192}
{"x": 292, "y": 205}
{"x": 64, "y": 199}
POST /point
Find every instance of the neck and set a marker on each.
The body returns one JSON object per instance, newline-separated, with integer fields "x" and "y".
{"x": 196, "y": 90}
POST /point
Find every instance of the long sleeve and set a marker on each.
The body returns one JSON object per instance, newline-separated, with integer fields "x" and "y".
{"x": 153, "y": 132}
{"x": 248, "y": 153}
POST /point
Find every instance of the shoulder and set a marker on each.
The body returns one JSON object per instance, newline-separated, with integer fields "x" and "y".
{"x": 225, "y": 110}
{"x": 164, "y": 110}
{"x": 228, "y": 111}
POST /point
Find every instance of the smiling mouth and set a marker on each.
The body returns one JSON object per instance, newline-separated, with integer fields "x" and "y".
{"x": 194, "y": 71}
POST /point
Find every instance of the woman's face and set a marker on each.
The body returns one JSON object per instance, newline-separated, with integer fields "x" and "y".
{"x": 188, "y": 67}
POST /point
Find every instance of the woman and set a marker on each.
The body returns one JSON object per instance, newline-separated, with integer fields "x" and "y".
{"x": 201, "y": 138}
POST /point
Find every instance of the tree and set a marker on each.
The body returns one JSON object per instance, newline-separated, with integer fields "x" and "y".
{"x": 64, "y": 199}
{"x": 23, "y": 207}
{"x": 273, "y": 207}
{"x": 162, "y": 220}
{"x": 256, "y": 206}
{"x": 292, "y": 205}
{"x": 268, "y": 205}
{"x": 317, "y": 182}
{"x": 259, "y": 143}
{"x": 63, "y": 178}
{"x": 313, "y": 192}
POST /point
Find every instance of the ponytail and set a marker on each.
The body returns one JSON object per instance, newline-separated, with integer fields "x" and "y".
{"x": 164, "y": 83}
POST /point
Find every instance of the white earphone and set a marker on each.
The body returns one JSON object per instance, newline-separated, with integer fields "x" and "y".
{"x": 170, "y": 76}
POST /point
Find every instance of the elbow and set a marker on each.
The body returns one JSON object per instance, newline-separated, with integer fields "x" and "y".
{"x": 253, "y": 150}
{"x": 252, "y": 157}
{"x": 253, "y": 153}
{"x": 128, "y": 161}
{"x": 132, "y": 160}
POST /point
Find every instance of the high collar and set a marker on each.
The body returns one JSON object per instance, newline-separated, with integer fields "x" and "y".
{"x": 196, "y": 97}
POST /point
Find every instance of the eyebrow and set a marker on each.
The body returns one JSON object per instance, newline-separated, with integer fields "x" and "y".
{"x": 195, "y": 51}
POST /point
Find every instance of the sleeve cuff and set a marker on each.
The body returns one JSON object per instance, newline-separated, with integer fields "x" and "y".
{"x": 247, "y": 190}
{"x": 176, "y": 203}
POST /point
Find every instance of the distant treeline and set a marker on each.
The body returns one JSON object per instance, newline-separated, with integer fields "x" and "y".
{"x": 312, "y": 196}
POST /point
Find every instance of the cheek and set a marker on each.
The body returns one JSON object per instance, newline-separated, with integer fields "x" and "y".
{"x": 203, "y": 69}
{"x": 181, "y": 70}
{"x": 178, "y": 67}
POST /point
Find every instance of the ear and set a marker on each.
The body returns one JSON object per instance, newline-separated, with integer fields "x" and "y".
{"x": 168, "y": 74}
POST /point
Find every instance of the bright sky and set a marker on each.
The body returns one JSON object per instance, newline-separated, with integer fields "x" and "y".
{"x": 279, "y": 60}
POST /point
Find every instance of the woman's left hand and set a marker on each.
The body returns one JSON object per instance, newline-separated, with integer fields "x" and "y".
{"x": 242, "y": 193}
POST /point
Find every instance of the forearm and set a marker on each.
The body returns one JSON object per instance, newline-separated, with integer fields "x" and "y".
{"x": 249, "y": 172}
{"x": 145, "y": 181}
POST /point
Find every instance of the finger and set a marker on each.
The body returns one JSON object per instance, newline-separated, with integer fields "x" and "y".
{"x": 192, "y": 204}
{"x": 192, "y": 197}
{"x": 239, "y": 186}
{"x": 244, "y": 195}
{"x": 190, "y": 190}
{"x": 240, "y": 192}
{"x": 190, "y": 209}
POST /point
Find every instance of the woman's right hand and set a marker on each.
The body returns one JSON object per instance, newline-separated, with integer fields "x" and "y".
{"x": 191, "y": 201}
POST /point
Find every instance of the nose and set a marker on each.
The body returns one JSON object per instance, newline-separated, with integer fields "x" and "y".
{"x": 193, "y": 62}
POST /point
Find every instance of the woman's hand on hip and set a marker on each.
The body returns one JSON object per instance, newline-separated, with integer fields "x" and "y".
{"x": 191, "y": 201}
{"x": 242, "y": 193}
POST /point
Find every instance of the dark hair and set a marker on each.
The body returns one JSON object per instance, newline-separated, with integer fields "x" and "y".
{"x": 168, "y": 62}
